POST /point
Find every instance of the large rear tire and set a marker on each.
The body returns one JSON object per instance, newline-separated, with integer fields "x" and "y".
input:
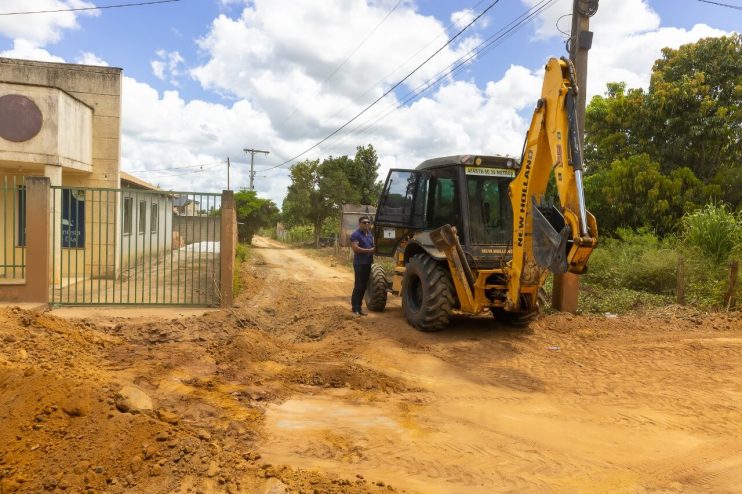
{"x": 427, "y": 293}
{"x": 375, "y": 295}
{"x": 522, "y": 318}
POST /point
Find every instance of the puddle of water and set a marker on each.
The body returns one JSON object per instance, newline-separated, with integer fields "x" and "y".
{"x": 326, "y": 414}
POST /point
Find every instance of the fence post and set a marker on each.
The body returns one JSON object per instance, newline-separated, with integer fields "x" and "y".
{"x": 227, "y": 248}
{"x": 680, "y": 286}
{"x": 729, "y": 300}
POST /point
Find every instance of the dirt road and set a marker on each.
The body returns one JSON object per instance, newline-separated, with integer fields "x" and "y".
{"x": 290, "y": 393}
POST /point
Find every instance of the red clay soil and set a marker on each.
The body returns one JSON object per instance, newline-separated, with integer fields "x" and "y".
{"x": 290, "y": 393}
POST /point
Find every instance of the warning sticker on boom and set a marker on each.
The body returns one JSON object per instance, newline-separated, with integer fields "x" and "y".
{"x": 490, "y": 172}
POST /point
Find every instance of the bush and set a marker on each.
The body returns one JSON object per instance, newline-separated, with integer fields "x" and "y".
{"x": 636, "y": 260}
{"x": 299, "y": 234}
{"x": 714, "y": 230}
{"x": 242, "y": 252}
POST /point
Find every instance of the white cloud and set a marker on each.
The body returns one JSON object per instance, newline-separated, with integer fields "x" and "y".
{"x": 166, "y": 67}
{"x": 627, "y": 39}
{"x": 27, "y": 50}
{"x": 283, "y": 61}
{"x": 273, "y": 61}
{"x": 87, "y": 58}
{"x": 165, "y": 131}
{"x": 631, "y": 61}
{"x": 41, "y": 29}
{"x": 462, "y": 17}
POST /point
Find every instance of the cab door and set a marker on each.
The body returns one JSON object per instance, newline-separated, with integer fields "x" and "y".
{"x": 401, "y": 208}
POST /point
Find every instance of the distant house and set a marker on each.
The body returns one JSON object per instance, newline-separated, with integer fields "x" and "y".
{"x": 146, "y": 225}
{"x": 186, "y": 206}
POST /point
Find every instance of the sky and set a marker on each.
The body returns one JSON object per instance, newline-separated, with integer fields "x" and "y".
{"x": 205, "y": 79}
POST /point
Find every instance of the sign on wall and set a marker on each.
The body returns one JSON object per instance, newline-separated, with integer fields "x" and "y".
{"x": 73, "y": 218}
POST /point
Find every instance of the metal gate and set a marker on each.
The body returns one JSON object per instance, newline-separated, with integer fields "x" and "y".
{"x": 13, "y": 240}
{"x": 134, "y": 247}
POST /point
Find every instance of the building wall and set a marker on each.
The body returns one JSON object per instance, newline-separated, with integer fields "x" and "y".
{"x": 65, "y": 137}
{"x": 78, "y": 146}
{"x": 74, "y": 132}
{"x": 99, "y": 88}
{"x": 156, "y": 241}
{"x": 193, "y": 229}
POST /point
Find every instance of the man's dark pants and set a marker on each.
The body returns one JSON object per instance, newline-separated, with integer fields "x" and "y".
{"x": 363, "y": 271}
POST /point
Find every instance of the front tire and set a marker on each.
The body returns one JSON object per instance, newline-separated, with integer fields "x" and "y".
{"x": 375, "y": 295}
{"x": 427, "y": 293}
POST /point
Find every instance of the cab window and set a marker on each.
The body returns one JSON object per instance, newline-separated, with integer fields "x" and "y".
{"x": 490, "y": 213}
{"x": 444, "y": 203}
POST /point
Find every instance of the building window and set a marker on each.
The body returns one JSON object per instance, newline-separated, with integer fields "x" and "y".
{"x": 73, "y": 218}
{"x": 21, "y": 233}
{"x": 128, "y": 206}
{"x": 142, "y": 217}
{"x": 153, "y": 221}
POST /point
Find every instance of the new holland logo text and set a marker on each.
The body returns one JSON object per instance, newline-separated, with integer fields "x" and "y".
{"x": 524, "y": 199}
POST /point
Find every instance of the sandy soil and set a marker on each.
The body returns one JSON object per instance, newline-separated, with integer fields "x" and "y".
{"x": 290, "y": 393}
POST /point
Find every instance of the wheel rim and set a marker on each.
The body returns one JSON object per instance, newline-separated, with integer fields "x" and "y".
{"x": 415, "y": 293}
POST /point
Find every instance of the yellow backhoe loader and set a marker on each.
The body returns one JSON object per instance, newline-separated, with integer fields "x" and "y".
{"x": 473, "y": 233}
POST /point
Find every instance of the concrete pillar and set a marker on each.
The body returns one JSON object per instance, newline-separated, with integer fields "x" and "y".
{"x": 54, "y": 174}
{"x": 35, "y": 288}
{"x": 228, "y": 247}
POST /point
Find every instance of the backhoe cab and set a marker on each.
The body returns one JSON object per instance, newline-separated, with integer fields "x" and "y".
{"x": 472, "y": 233}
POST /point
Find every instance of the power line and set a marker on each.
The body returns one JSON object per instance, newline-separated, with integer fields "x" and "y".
{"x": 90, "y": 8}
{"x": 322, "y": 84}
{"x": 178, "y": 167}
{"x": 393, "y": 71}
{"x": 390, "y": 89}
{"x": 493, "y": 41}
{"x": 722, "y": 4}
{"x": 181, "y": 173}
{"x": 480, "y": 50}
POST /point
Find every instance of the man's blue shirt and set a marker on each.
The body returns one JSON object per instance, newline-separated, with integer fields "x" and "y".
{"x": 365, "y": 241}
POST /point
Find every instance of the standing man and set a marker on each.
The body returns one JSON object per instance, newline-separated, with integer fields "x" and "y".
{"x": 362, "y": 243}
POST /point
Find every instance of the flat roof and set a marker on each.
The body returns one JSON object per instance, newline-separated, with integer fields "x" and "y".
{"x": 136, "y": 182}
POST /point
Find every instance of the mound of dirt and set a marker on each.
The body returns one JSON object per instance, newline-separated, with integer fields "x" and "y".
{"x": 156, "y": 404}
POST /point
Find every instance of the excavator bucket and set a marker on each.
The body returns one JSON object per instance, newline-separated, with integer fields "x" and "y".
{"x": 550, "y": 246}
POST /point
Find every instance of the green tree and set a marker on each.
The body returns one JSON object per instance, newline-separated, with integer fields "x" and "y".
{"x": 696, "y": 99}
{"x": 615, "y": 127}
{"x": 363, "y": 174}
{"x": 690, "y": 117}
{"x": 253, "y": 213}
{"x": 634, "y": 193}
{"x": 317, "y": 192}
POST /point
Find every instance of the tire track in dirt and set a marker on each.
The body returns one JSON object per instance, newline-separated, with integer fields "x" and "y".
{"x": 570, "y": 403}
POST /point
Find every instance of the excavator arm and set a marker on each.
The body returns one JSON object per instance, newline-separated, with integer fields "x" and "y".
{"x": 549, "y": 238}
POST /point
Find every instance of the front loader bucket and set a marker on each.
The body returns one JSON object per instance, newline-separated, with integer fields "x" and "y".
{"x": 445, "y": 240}
{"x": 550, "y": 246}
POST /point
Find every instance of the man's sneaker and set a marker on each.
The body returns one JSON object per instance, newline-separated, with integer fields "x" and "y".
{"x": 359, "y": 313}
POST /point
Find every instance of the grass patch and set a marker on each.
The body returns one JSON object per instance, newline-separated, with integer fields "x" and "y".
{"x": 243, "y": 252}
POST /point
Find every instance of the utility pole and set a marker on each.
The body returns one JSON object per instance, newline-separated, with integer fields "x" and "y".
{"x": 566, "y": 287}
{"x": 252, "y": 159}
{"x": 228, "y": 165}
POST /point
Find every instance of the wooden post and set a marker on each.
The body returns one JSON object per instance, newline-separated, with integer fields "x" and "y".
{"x": 680, "y": 287}
{"x": 228, "y": 247}
{"x": 564, "y": 294}
{"x": 729, "y": 299}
